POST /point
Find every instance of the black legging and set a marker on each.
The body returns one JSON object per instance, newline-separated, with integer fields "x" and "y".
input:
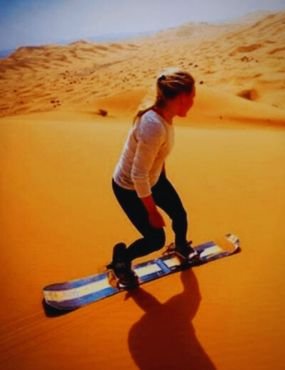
{"x": 165, "y": 197}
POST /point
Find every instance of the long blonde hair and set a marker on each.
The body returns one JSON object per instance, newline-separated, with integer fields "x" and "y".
{"x": 169, "y": 84}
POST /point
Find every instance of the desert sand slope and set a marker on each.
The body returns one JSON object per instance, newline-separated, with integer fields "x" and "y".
{"x": 59, "y": 220}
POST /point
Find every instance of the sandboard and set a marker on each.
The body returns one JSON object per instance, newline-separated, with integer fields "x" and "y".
{"x": 73, "y": 294}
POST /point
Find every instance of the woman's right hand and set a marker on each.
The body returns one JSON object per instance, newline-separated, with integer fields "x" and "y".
{"x": 155, "y": 219}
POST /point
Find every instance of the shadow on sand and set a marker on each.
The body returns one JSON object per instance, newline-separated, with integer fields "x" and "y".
{"x": 164, "y": 337}
{"x": 53, "y": 312}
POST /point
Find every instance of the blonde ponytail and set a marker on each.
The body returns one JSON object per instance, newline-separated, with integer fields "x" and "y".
{"x": 170, "y": 83}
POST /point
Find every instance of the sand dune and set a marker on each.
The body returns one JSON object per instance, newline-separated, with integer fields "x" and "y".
{"x": 65, "y": 113}
{"x": 245, "y": 59}
{"x": 211, "y": 105}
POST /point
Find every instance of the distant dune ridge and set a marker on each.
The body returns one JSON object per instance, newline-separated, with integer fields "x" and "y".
{"x": 243, "y": 58}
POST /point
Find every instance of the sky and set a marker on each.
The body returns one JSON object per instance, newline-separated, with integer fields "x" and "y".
{"x": 38, "y": 22}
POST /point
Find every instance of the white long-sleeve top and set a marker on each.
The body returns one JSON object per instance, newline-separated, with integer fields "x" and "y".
{"x": 149, "y": 142}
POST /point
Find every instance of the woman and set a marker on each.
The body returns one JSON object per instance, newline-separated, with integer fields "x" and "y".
{"x": 139, "y": 181}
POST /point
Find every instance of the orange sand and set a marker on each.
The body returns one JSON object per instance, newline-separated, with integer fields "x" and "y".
{"x": 59, "y": 219}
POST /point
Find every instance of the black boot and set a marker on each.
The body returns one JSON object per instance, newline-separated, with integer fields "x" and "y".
{"x": 122, "y": 268}
{"x": 186, "y": 252}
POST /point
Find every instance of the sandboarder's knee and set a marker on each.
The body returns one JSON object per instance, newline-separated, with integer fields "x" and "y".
{"x": 157, "y": 239}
